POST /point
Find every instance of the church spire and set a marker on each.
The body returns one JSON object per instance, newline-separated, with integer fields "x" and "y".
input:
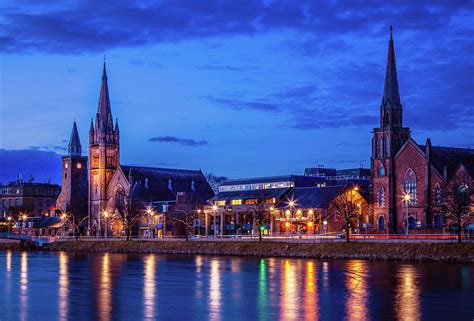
{"x": 104, "y": 112}
{"x": 391, "y": 94}
{"x": 74, "y": 147}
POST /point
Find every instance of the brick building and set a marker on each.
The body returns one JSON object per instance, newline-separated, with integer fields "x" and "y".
{"x": 403, "y": 168}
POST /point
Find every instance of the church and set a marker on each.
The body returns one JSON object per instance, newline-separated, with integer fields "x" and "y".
{"x": 409, "y": 180}
{"x": 95, "y": 191}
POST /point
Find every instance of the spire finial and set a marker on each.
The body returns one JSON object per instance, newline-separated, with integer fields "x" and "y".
{"x": 391, "y": 33}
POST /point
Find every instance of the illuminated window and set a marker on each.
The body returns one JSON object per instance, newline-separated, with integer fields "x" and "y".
{"x": 78, "y": 165}
{"x": 236, "y": 202}
{"x": 409, "y": 185}
{"x": 437, "y": 194}
{"x": 251, "y": 201}
{"x": 270, "y": 200}
{"x": 219, "y": 203}
{"x": 381, "y": 196}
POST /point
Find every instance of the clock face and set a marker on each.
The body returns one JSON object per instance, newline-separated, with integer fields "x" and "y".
{"x": 66, "y": 165}
{"x": 78, "y": 165}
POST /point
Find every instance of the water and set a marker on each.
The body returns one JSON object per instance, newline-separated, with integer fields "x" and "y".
{"x": 96, "y": 286}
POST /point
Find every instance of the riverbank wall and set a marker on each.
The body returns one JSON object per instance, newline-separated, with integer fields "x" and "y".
{"x": 434, "y": 252}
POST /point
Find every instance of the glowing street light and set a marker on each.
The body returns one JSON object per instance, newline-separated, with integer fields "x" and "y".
{"x": 214, "y": 209}
{"x": 106, "y": 216}
{"x": 407, "y": 197}
{"x": 9, "y": 219}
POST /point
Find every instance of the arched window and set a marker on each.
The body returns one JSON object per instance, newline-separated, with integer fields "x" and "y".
{"x": 381, "y": 196}
{"x": 381, "y": 222}
{"x": 409, "y": 185}
{"x": 380, "y": 147}
{"x": 437, "y": 194}
{"x": 387, "y": 145}
{"x": 120, "y": 199}
{"x": 411, "y": 223}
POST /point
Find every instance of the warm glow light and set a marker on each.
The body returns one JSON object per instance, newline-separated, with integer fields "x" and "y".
{"x": 199, "y": 211}
{"x": 325, "y": 222}
{"x": 9, "y": 218}
{"x": 214, "y": 207}
{"x": 298, "y": 212}
{"x": 287, "y": 224}
{"x": 310, "y": 212}
{"x": 356, "y": 188}
{"x": 292, "y": 203}
{"x": 407, "y": 197}
{"x": 106, "y": 214}
{"x": 272, "y": 208}
{"x": 24, "y": 217}
{"x": 310, "y": 224}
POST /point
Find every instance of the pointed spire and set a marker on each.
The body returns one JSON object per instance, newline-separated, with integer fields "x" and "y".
{"x": 116, "y": 129}
{"x": 391, "y": 94}
{"x": 103, "y": 110}
{"x": 74, "y": 147}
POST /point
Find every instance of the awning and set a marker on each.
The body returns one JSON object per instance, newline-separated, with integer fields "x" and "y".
{"x": 49, "y": 222}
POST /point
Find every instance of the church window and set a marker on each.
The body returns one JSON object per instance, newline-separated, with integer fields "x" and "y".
{"x": 438, "y": 221}
{"x": 387, "y": 145}
{"x": 381, "y": 222}
{"x": 381, "y": 196}
{"x": 409, "y": 185}
{"x": 380, "y": 147}
{"x": 437, "y": 194}
{"x": 381, "y": 170}
{"x": 386, "y": 119}
{"x": 120, "y": 199}
{"x": 170, "y": 185}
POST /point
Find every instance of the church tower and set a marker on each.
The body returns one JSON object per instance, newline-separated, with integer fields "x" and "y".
{"x": 73, "y": 197}
{"x": 104, "y": 154}
{"x": 386, "y": 142}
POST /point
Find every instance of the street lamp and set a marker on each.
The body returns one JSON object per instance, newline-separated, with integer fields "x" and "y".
{"x": 358, "y": 218}
{"x": 106, "y": 216}
{"x": 150, "y": 213}
{"x": 291, "y": 204}
{"x": 63, "y": 218}
{"x": 214, "y": 209}
{"x": 325, "y": 226}
{"x": 9, "y": 219}
{"x": 407, "y": 198}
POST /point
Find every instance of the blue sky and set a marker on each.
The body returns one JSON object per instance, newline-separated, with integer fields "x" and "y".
{"x": 237, "y": 88}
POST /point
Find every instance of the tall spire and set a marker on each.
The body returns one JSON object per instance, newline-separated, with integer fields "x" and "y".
{"x": 104, "y": 110}
{"x": 74, "y": 147}
{"x": 391, "y": 94}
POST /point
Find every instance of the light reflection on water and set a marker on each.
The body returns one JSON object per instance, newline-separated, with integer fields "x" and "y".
{"x": 153, "y": 287}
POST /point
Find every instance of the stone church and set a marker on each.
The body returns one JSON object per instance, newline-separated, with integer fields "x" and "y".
{"x": 403, "y": 168}
{"x": 108, "y": 183}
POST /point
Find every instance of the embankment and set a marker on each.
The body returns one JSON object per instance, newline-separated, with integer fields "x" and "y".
{"x": 437, "y": 252}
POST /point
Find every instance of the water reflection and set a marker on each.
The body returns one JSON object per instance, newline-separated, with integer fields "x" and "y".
{"x": 311, "y": 295}
{"x": 215, "y": 291}
{"x": 149, "y": 289}
{"x": 23, "y": 284}
{"x": 356, "y": 284}
{"x": 105, "y": 291}
{"x": 262, "y": 289}
{"x": 407, "y": 300}
{"x": 289, "y": 303}
{"x": 63, "y": 286}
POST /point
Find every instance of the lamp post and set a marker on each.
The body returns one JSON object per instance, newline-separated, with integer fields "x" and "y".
{"x": 325, "y": 227}
{"x": 9, "y": 219}
{"x": 63, "y": 218}
{"x": 106, "y": 216}
{"x": 292, "y": 205}
{"x": 407, "y": 198}
{"x": 214, "y": 209}
{"x": 358, "y": 218}
{"x": 149, "y": 213}
{"x": 199, "y": 220}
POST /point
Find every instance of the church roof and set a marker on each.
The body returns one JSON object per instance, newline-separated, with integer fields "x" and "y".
{"x": 163, "y": 184}
{"x": 451, "y": 158}
{"x": 74, "y": 146}
{"x": 391, "y": 94}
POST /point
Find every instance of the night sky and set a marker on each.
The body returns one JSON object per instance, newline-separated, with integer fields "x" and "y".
{"x": 238, "y": 88}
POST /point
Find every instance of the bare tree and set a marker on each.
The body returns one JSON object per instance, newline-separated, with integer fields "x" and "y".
{"x": 345, "y": 206}
{"x": 261, "y": 216}
{"x": 186, "y": 212}
{"x": 457, "y": 201}
{"x": 130, "y": 209}
{"x": 215, "y": 181}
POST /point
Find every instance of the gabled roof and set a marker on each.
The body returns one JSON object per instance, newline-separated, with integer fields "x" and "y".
{"x": 163, "y": 184}
{"x": 451, "y": 158}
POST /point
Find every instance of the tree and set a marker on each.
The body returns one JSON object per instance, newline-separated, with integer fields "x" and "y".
{"x": 345, "y": 206}
{"x": 261, "y": 216}
{"x": 185, "y": 212}
{"x": 457, "y": 200}
{"x": 129, "y": 208}
{"x": 215, "y": 181}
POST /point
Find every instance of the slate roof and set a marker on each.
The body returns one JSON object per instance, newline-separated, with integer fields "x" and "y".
{"x": 155, "y": 183}
{"x": 252, "y": 194}
{"x": 49, "y": 222}
{"x": 298, "y": 179}
{"x": 451, "y": 158}
{"x": 312, "y": 197}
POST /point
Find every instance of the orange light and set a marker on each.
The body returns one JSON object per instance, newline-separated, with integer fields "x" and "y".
{"x": 287, "y": 224}
{"x": 310, "y": 224}
{"x": 407, "y": 197}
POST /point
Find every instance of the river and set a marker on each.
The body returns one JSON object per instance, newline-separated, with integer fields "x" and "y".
{"x": 102, "y": 286}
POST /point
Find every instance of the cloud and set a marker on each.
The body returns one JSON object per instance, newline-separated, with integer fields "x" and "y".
{"x": 140, "y": 62}
{"x": 88, "y": 25}
{"x": 182, "y": 141}
{"x": 238, "y": 104}
{"x": 42, "y": 165}
{"x": 226, "y": 67}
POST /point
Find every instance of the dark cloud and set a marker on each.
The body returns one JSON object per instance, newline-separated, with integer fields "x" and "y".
{"x": 238, "y": 104}
{"x": 140, "y": 62}
{"x": 182, "y": 141}
{"x": 88, "y": 25}
{"x": 42, "y": 165}
{"x": 227, "y": 67}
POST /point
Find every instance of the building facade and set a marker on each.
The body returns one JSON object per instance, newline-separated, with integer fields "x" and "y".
{"x": 28, "y": 198}
{"x": 408, "y": 179}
